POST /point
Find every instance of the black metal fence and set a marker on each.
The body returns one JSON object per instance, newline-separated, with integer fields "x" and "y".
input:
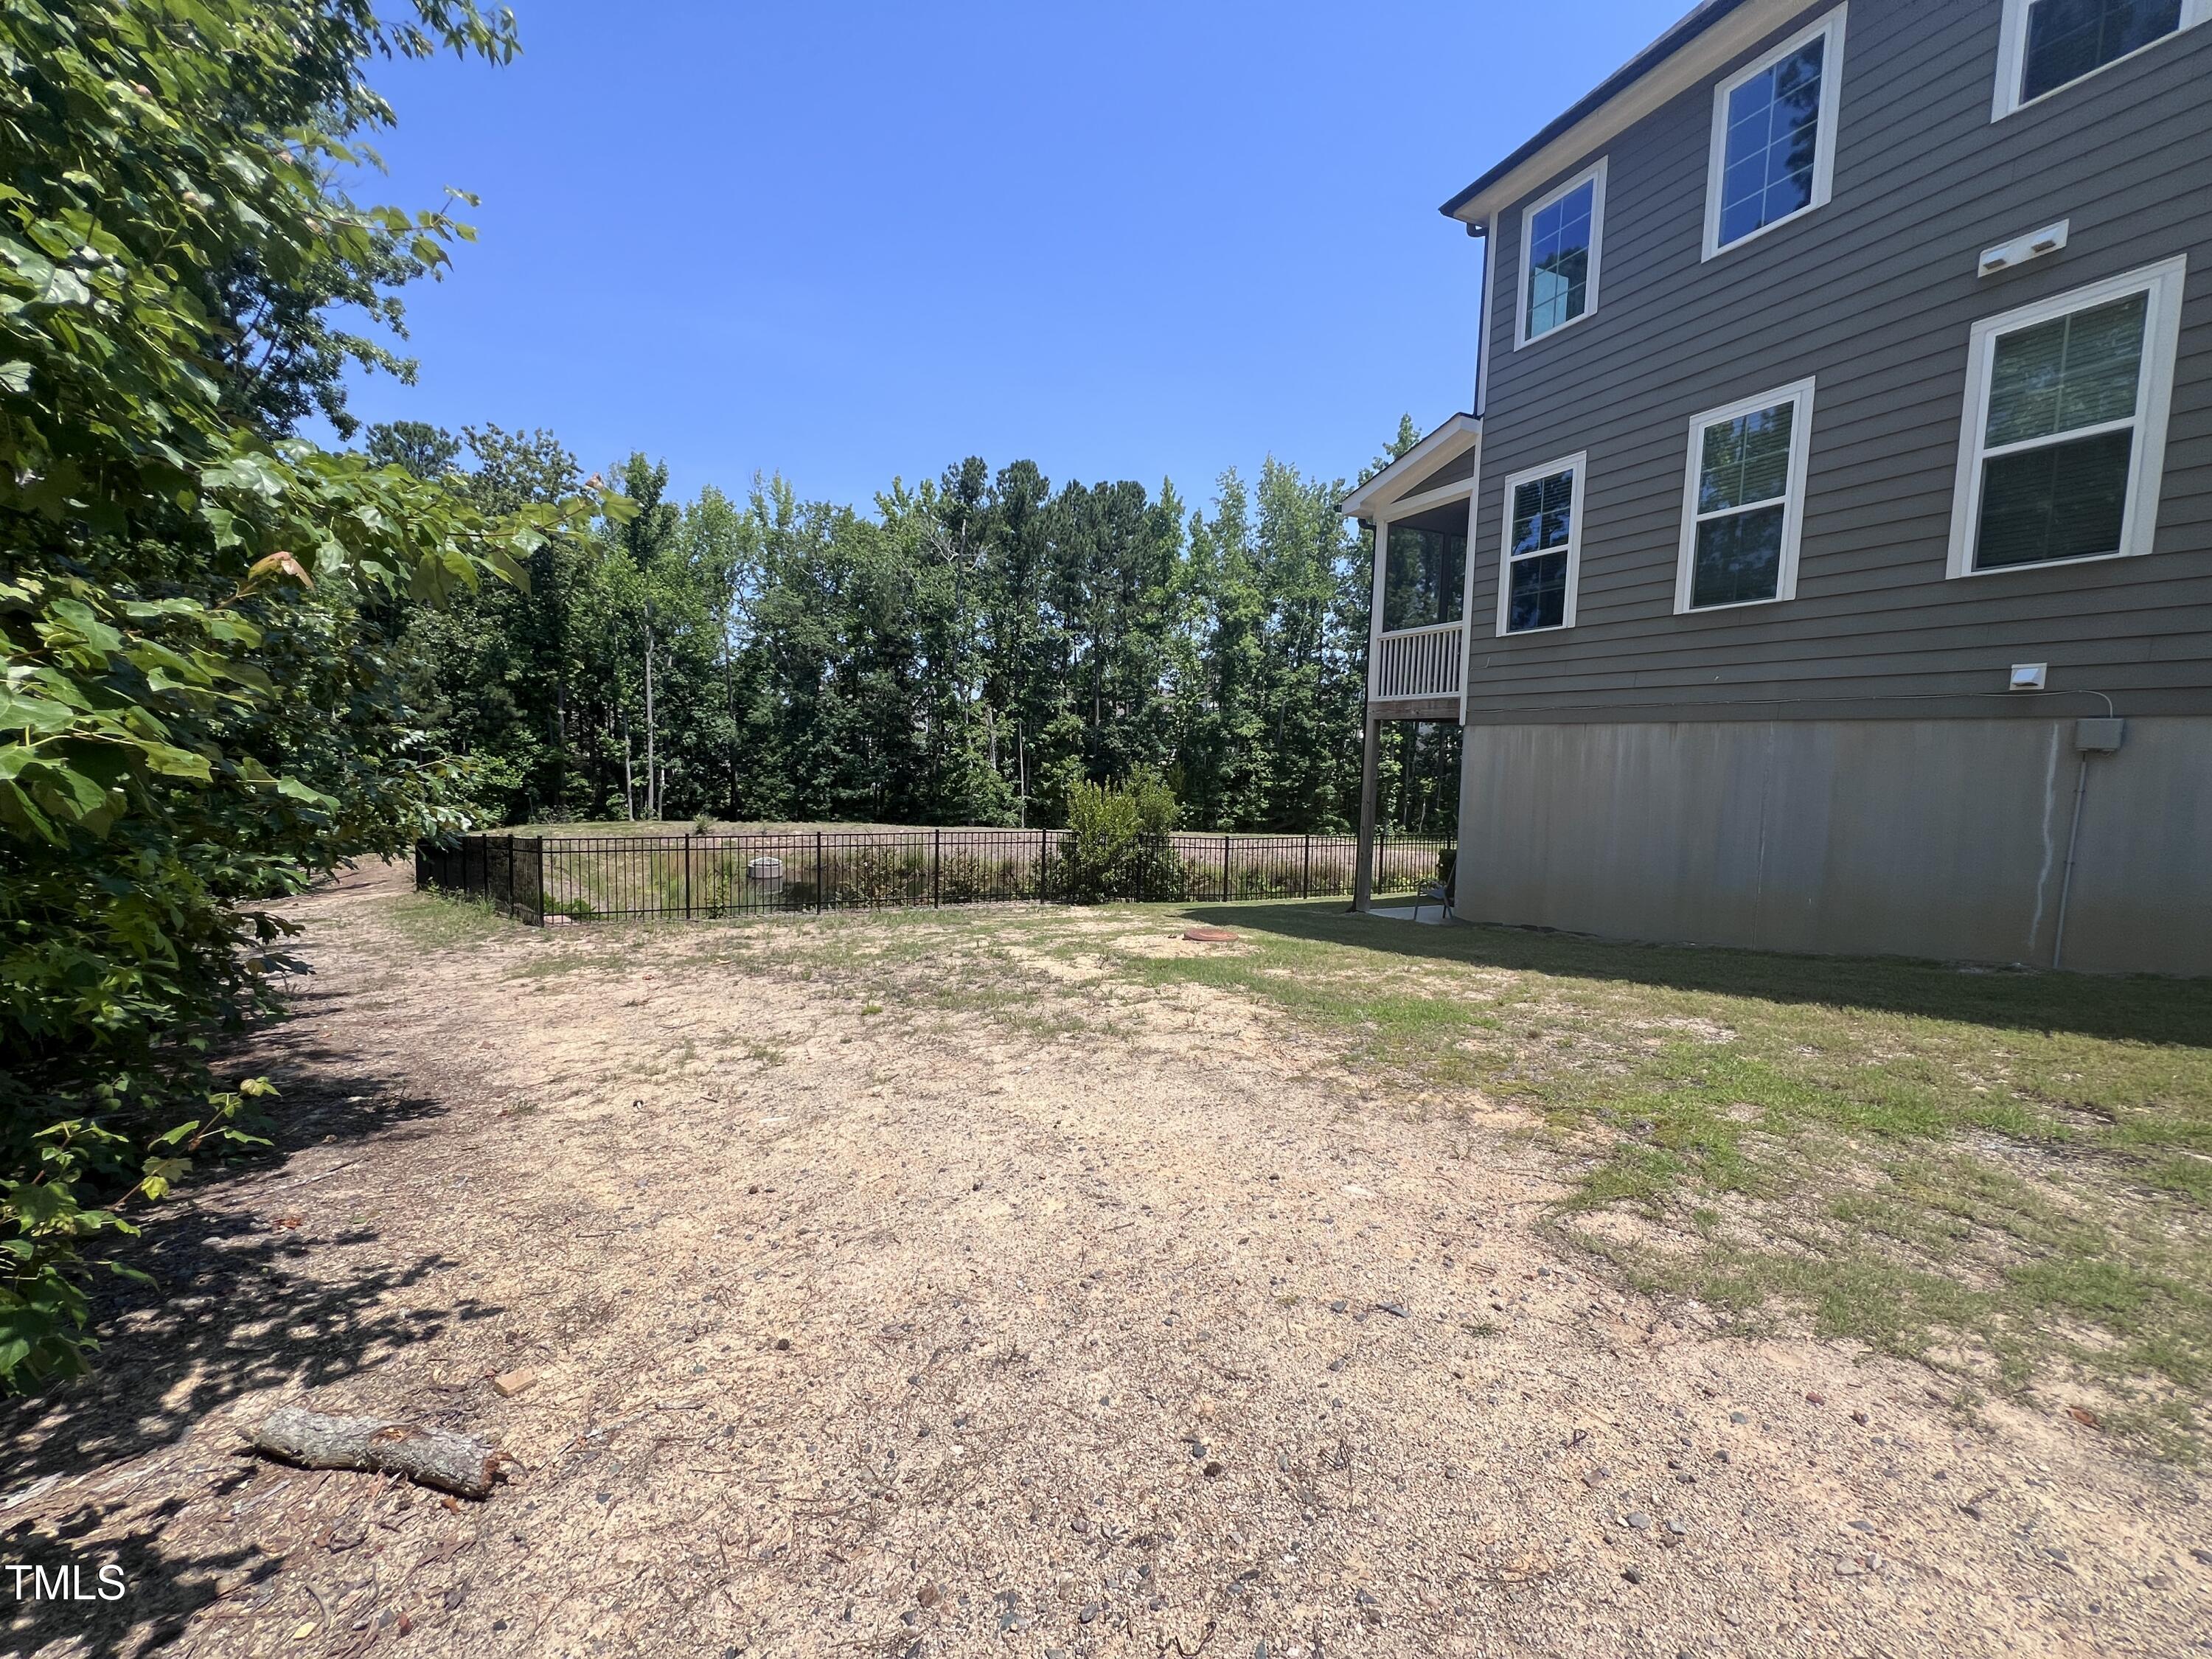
{"x": 593, "y": 878}
{"x": 508, "y": 871}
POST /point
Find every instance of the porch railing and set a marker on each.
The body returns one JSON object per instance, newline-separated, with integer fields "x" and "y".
{"x": 1418, "y": 662}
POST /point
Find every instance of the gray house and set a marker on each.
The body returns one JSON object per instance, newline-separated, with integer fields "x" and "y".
{"x": 1826, "y": 564}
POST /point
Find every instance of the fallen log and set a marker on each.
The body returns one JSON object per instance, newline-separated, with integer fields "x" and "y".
{"x": 431, "y": 1457}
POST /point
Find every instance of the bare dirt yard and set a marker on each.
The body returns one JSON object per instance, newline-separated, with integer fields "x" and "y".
{"x": 1039, "y": 1282}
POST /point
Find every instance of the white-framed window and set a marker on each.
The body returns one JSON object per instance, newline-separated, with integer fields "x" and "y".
{"x": 1539, "y": 565}
{"x": 1561, "y": 239}
{"x": 2062, "y": 443}
{"x": 2051, "y": 44}
{"x": 1774, "y": 137}
{"x": 1743, "y": 503}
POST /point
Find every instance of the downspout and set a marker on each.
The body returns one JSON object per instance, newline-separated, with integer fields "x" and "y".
{"x": 1487, "y": 232}
{"x": 2091, "y": 736}
{"x": 1481, "y": 233}
{"x": 2066, "y": 882}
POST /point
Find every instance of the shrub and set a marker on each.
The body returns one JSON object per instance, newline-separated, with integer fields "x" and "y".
{"x": 1117, "y": 843}
{"x": 970, "y": 878}
{"x": 880, "y": 875}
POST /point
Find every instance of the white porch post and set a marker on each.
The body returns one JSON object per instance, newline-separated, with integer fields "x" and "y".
{"x": 1375, "y": 611}
{"x": 1371, "y": 738}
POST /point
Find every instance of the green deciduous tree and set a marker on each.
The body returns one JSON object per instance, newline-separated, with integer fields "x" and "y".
{"x": 203, "y": 707}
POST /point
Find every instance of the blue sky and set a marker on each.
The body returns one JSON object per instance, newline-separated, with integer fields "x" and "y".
{"x": 849, "y": 241}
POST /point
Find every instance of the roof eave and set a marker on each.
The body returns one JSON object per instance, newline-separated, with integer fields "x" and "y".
{"x": 1433, "y": 451}
{"x": 1470, "y": 206}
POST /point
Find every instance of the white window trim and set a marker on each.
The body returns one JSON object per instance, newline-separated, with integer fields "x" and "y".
{"x": 1594, "y": 176}
{"x": 2012, "y": 55}
{"x": 1793, "y": 509}
{"x": 1579, "y": 466}
{"x": 1824, "y": 151}
{"x": 2164, "y": 282}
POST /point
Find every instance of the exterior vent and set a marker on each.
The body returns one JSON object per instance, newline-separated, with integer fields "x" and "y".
{"x": 2005, "y": 256}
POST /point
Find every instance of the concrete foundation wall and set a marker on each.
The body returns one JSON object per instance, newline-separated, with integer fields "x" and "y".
{"x": 1942, "y": 838}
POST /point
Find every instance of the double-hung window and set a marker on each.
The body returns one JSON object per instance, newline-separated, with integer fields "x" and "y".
{"x": 1743, "y": 509}
{"x": 1561, "y": 237}
{"x": 2064, "y": 434}
{"x": 1774, "y": 137}
{"x": 1541, "y": 564}
{"x": 2050, "y": 44}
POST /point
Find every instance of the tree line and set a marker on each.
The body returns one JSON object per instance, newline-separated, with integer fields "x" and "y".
{"x": 967, "y": 651}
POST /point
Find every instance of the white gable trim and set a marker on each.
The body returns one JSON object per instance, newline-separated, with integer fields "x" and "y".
{"x": 1455, "y": 438}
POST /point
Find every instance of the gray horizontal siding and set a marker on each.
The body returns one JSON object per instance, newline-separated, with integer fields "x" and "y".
{"x": 1456, "y": 470}
{"x": 1874, "y": 296}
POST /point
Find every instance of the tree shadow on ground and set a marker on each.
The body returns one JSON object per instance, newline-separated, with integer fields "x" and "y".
{"x": 2138, "y": 1008}
{"x": 232, "y": 1308}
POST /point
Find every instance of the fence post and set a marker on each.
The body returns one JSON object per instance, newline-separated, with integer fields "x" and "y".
{"x": 537, "y": 880}
{"x": 821, "y": 893}
{"x": 1044, "y": 861}
{"x": 1305, "y": 881}
{"x": 1225, "y": 869}
{"x": 688, "y": 840}
{"x": 937, "y": 868}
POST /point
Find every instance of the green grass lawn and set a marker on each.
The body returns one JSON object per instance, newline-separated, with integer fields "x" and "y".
{"x": 2008, "y": 1171}
{"x": 2006, "y": 1174}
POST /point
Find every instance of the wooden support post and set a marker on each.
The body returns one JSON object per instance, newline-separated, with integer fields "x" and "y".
{"x": 1363, "y": 866}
